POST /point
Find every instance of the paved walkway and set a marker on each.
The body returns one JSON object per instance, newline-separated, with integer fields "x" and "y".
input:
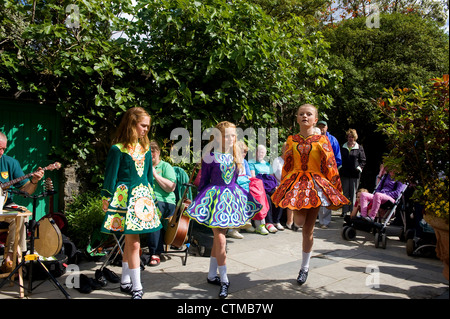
{"x": 266, "y": 267}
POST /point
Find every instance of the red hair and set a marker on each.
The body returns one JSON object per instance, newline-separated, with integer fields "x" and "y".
{"x": 126, "y": 133}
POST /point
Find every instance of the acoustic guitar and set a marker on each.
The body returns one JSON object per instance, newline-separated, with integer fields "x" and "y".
{"x": 5, "y": 186}
{"x": 177, "y": 229}
{"x": 48, "y": 241}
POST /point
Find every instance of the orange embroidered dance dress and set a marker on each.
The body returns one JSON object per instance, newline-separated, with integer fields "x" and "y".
{"x": 310, "y": 177}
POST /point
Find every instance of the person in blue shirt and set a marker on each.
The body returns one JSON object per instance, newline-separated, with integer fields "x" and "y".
{"x": 10, "y": 169}
{"x": 325, "y": 213}
{"x": 323, "y": 126}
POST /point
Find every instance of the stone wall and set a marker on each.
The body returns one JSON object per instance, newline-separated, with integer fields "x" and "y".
{"x": 70, "y": 187}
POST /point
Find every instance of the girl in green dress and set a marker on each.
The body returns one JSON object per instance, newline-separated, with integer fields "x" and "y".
{"x": 128, "y": 198}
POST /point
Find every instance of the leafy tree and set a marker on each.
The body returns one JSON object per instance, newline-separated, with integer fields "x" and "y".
{"x": 415, "y": 122}
{"x": 403, "y": 51}
{"x": 436, "y": 10}
{"x": 76, "y": 68}
{"x": 228, "y": 60}
{"x": 180, "y": 59}
{"x": 310, "y": 10}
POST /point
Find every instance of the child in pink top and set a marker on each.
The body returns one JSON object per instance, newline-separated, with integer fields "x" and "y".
{"x": 357, "y": 206}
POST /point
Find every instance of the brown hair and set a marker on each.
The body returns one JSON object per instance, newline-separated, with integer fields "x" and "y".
{"x": 352, "y": 132}
{"x": 154, "y": 144}
{"x": 126, "y": 131}
{"x": 362, "y": 190}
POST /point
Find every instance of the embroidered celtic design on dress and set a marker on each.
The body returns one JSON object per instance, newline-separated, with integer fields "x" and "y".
{"x": 120, "y": 197}
{"x": 226, "y": 166}
{"x": 142, "y": 211}
{"x": 223, "y": 208}
{"x": 115, "y": 222}
{"x": 137, "y": 152}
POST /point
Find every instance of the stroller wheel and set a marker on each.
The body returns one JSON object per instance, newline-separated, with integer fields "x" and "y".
{"x": 383, "y": 241}
{"x": 410, "y": 247}
{"x": 350, "y": 233}
{"x": 344, "y": 229}
{"x": 377, "y": 239}
{"x": 380, "y": 240}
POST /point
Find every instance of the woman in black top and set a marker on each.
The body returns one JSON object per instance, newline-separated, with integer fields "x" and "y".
{"x": 353, "y": 161}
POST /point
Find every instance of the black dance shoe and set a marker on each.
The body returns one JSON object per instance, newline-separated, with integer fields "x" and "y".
{"x": 215, "y": 281}
{"x": 111, "y": 276}
{"x": 223, "y": 293}
{"x": 126, "y": 288}
{"x": 137, "y": 294}
{"x": 302, "y": 276}
{"x": 100, "y": 278}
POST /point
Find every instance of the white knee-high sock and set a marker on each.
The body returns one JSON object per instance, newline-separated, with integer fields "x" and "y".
{"x": 305, "y": 260}
{"x": 212, "y": 268}
{"x": 135, "y": 275}
{"x": 223, "y": 273}
{"x": 125, "y": 274}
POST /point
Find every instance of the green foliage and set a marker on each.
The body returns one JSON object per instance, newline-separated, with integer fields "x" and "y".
{"x": 182, "y": 60}
{"x": 415, "y": 122}
{"x": 78, "y": 70}
{"x": 84, "y": 215}
{"x": 436, "y": 10}
{"x": 403, "y": 51}
{"x": 228, "y": 60}
{"x": 310, "y": 10}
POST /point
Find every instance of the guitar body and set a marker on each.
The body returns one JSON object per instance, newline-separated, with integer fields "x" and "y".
{"x": 177, "y": 229}
{"x": 49, "y": 242}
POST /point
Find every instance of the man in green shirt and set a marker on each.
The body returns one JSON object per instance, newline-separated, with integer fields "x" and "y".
{"x": 9, "y": 170}
{"x": 165, "y": 182}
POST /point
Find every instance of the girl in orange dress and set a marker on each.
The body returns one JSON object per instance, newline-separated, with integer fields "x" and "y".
{"x": 309, "y": 180}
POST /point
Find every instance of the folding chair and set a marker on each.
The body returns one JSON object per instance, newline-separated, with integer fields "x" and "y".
{"x": 115, "y": 251}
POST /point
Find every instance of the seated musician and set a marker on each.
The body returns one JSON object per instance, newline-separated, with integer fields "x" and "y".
{"x": 165, "y": 183}
{"x": 10, "y": 169}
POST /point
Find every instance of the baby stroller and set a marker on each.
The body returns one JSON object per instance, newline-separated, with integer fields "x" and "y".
{"x": 382, "y": 225}
{"x": 421, "y": 239}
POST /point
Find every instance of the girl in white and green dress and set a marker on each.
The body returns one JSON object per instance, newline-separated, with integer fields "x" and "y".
{"x": 128, "y": 198}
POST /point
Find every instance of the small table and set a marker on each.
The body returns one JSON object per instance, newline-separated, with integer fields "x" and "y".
{"x": 8, "y": 215}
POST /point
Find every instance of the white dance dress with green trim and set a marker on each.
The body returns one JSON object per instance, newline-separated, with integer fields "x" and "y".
{"x": 128, "y": 188}
{"x": 221, "y": 202}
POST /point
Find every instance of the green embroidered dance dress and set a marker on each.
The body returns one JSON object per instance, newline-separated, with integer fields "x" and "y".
{"x": 128, "y": 188}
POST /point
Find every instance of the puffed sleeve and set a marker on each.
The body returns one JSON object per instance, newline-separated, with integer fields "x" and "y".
{"x": 328, "y": 165}
{"x": 288, "y": 158}
{"x": 205, "y": 177}
{"x": 112, "y": 168}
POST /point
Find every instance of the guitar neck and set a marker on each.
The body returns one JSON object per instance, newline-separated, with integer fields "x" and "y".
{"x": 7, "y": 184}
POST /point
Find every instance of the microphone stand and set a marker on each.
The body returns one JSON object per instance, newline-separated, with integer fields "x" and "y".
{"x": 33, "y": 226}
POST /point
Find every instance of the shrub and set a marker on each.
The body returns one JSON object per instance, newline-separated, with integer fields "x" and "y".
{"x": 415, "y": 122}
{"x": 85, "y": 215}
